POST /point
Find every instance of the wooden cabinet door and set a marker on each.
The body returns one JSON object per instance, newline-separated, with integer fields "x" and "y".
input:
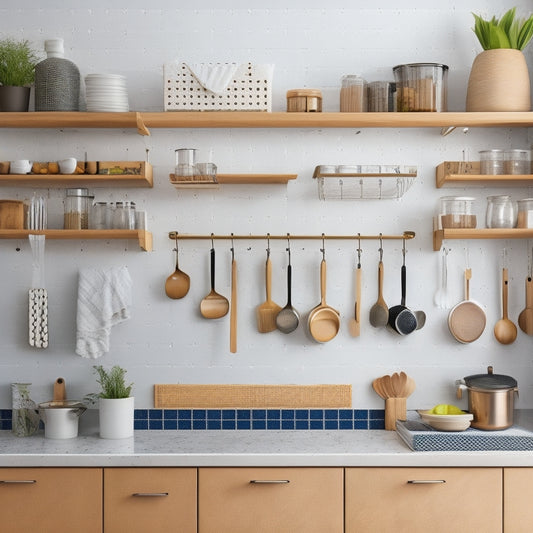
{"x": 413, "y": 500}
{"x": 245, "y": 500}
{"x": 51, "y": 500}
{"x": 149, "y": 499}
{"x": 517, "y": 500}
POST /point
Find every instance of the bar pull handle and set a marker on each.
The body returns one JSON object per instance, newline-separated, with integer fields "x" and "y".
{"x": 18, "y": 481}
{"x": 425, "y": 481}
{"x": 269, "y": 481}
{"x": 150, "y": 494}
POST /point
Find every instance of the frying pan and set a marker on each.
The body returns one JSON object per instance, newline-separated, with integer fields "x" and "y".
{"x": 401, "y": 319}
{"x": 467, "y": 319}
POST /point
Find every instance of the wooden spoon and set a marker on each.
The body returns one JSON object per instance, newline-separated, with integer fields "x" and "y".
{"x": 214, "y": 305}
{"x": 377, "y": 385}
{"x": 525, "y": 318}
{"x": 267, "y": 312}
{"x": 233, "y": 307}
{"x": 505, "y": 330}
{"x": 178, "y": 283}
{"x": 355, "y": 321}
{"x": 396, "y": 385}
{"x": 379, "y": 312}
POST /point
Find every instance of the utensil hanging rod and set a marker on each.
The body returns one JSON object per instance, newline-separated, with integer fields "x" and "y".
{"x": 404, "y": 236}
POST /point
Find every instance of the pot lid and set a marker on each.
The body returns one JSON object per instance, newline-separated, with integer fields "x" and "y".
{"x": 61, "y": 404}
{"x": 490, "y": 381}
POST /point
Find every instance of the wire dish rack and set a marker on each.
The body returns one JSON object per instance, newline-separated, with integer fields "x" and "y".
{"x": 364, "y": 182}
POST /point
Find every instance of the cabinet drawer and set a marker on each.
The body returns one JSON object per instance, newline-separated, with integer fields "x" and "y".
{"x": 241, "y": 500}
{"x": 413, "y": 500}
{"x": 51, "y": 500}
{"x": 149, "y": 499}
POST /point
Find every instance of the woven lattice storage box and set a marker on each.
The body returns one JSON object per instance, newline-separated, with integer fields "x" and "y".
{"x": 218, "y": 87}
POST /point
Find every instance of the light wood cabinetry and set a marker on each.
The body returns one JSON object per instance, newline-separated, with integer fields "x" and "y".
{"x": 517, "y": 498}
{"x": 149, "y": 499}
{"x": 241, "y": 500}
{"x": 51, "y": 500}
{"x": 418, "y": 500}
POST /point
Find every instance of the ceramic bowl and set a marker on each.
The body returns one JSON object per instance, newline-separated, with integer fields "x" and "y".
{"x": 67, "y": 166}
{"x": 446, "y": 422}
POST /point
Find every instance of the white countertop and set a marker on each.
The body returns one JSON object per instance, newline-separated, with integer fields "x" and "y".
{"x": 245, "y": 448}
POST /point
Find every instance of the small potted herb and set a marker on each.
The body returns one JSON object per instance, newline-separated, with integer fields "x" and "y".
{"x": 17, "y": 74}
{"x": 499, "y": 78}
{"x": 116, "y": 405}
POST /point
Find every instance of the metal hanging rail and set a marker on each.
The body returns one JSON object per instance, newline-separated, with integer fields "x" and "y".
{"x": 406, "y": 235}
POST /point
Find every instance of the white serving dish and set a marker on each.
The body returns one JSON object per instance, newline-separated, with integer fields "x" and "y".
{"x": 446, "y": 422}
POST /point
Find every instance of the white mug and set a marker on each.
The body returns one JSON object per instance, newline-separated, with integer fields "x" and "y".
{"x": 20, "y": 166}
{"x": 67, "y": 166}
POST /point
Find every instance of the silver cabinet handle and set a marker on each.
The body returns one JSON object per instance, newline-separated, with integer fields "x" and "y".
{"x": 269, "y": 481}
{"x": 425, "y": 481}
{"x": 150, "y": 494}
{"x": 18, "y": 481}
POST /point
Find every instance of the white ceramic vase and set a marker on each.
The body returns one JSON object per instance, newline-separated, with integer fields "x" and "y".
{"x": 116, "y": 418}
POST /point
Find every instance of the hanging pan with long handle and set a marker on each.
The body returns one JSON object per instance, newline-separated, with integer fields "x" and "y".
{"x": 401, "y": 319}
{"x": 467, "y": 320}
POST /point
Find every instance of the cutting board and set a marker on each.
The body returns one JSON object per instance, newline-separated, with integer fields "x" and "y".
{"x": 174, "y": 396}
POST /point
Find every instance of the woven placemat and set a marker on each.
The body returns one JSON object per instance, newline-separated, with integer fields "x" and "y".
{"x": 238, "y": 396}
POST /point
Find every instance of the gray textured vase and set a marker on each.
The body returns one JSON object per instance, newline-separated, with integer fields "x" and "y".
{"x": 14, "y": 98}
{"x": 57, "y": 80}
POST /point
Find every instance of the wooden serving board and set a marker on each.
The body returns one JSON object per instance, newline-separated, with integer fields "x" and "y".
{"x": 174, "y": 396}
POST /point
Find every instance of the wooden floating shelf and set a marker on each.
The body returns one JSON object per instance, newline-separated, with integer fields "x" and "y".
{"x": 465, "y": 173}
{"x": 141, "y": 121}
{"x": 47, "y": 181}
{"x": 144, "y": 237}
{"x": 234, "y": 179}
{"x": 466, "y": 233}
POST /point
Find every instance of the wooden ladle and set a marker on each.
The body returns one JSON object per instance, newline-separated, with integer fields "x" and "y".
{"x": 178, "y": 283}
{"x": 505, "y": 331}
{"x": 525, "y": 318}
{"x": 214, "y": 305}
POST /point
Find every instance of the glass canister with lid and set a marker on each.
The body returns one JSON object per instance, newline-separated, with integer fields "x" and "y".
{"x": 77, "y": 202}
{"x": 353, "y": 94}
{"x": 501, "y": 212}
{"x": 124, "y": 215}
{"x": 457, "y": 212}
{"x": 525, "y": 213}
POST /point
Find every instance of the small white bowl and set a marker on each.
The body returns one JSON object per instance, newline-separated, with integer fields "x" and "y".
{"x": 67, "y": 166}
{"x": 447, "y": 422}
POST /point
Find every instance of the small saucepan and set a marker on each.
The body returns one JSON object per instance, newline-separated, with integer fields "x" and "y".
{"x": 61, "y": 418}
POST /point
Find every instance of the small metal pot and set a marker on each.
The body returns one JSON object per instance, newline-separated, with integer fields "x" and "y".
{"x": 490, "y": 399}
{"x": 61, "y": 418}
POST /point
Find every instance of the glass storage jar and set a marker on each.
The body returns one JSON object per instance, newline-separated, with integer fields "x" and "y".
{"x": 525, "y": 213}
{"x": 457, "y": 212}
{"x": 501, "y": 212}
{"x": 353, "y": 94}
{"x": 516, "y": 162}
{"x": 491, "y": 162}
{"x": 76, "y": 214}
{"x": 124, "y": 215}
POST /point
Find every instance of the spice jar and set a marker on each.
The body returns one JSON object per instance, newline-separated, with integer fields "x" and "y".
{"x": 77, "y": 209}
{"x": 501, "y": 212}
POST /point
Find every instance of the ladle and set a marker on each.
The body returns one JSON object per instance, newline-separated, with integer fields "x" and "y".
{"x": 505, "y": 331}
{"x": 287, "y": 319}
{"x": 379, "y": 312}
{"x": 214, "y": 305}
{"x": 178, "y": 283}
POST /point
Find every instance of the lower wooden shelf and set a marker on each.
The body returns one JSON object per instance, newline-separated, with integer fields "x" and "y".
{"x": 466, "y": 233}
{"x": 233, "y": 179}
{"x": 144, "y": 237}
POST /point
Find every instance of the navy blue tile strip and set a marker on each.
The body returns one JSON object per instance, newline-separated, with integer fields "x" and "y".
{"x": 257, "y": 419}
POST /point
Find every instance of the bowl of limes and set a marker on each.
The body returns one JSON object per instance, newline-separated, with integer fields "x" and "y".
{"x": 444, "y": 417}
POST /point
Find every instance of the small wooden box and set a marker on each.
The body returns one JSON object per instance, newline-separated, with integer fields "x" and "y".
{"x": 11, "y": 214}
{"x": 304, "y": 100}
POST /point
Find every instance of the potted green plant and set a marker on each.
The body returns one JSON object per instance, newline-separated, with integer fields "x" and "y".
{"x": 116, "y": 405}
{"x": 17, "y": 73}
{"x": 499, "y": 78}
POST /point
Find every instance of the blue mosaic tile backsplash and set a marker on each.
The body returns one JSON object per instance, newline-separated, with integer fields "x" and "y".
{"x": 256, "y": 419}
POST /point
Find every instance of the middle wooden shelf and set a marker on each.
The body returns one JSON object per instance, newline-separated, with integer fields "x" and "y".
{"x": 484, "y": 233}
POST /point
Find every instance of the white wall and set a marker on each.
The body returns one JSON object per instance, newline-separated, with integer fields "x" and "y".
{"x": 312, "y": 46}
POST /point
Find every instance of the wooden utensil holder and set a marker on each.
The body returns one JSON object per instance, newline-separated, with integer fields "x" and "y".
{"x": 395, "y": 409}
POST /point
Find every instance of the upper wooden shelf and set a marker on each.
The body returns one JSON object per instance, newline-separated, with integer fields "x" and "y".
{"x": 47, "y": 181}
{"x": 144, "y": 237}
{"x": 141, "y": 121}
{"x": 466, "y": 173}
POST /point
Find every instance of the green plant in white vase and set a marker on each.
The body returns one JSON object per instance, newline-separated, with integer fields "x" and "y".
{"x": 499, "y": 78}
{"x": 116, "y": 405}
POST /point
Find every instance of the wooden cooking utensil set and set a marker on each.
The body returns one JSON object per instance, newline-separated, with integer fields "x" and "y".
{"x": 394, "y": 389}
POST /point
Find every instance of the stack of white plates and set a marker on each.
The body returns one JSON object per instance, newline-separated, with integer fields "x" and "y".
{"x": 106, "y": 93}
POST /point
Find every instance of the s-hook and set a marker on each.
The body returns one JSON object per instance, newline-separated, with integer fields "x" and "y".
{"x": 323, "y": 249}
{"x": 359, "y": 251}
{"x": 380, "y": 249}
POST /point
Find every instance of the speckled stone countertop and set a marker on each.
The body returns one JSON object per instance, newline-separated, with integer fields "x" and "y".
{"x": 244, "y": 448}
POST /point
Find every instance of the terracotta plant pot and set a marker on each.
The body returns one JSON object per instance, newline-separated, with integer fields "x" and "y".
{"x": 499, "y": 81}
{"x": 14, "y": 98}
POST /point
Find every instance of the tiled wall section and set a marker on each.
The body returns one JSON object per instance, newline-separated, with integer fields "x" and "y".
{"x": 260, "y": 419}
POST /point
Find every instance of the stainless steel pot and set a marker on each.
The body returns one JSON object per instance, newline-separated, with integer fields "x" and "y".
{"x": 490, "y": 399}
